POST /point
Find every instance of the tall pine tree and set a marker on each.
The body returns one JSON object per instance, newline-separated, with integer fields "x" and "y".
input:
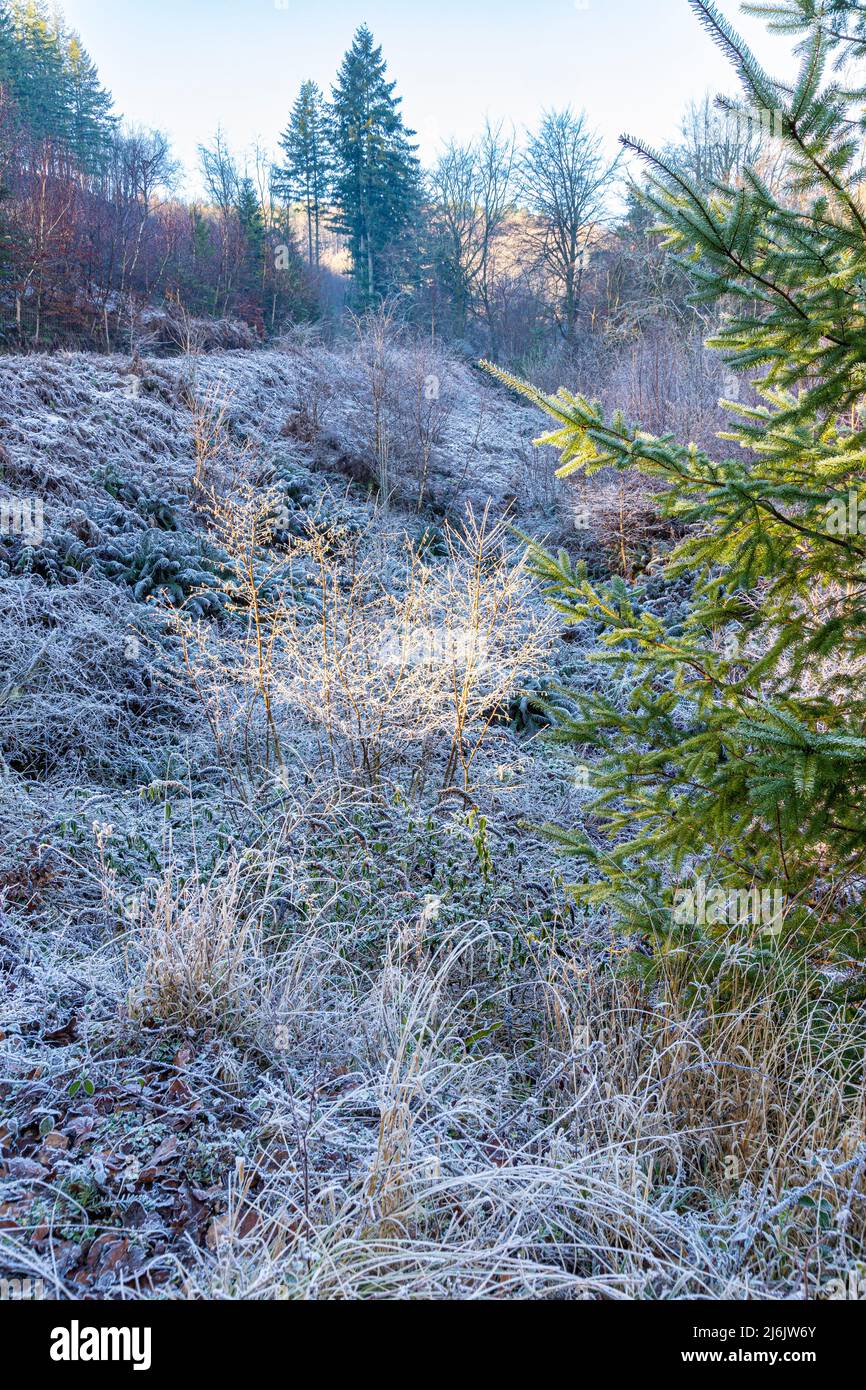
{"x": 53, "y": 82}
{"x": 36, "y": 73}
{"x": 304, "y": 176}
{"x": 89, "y": 107}
{"x": 7, "y": 47}
{"x": 376, "y": 173}
{"x": 739, "y": 756}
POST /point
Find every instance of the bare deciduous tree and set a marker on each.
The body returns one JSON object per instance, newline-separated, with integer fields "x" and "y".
{"x": 222, "y": 181}
{"x": 472, "y": 187}
{"x": 564, "y": 177}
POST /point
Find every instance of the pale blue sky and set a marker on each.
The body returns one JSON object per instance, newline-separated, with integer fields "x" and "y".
{"x": 189, "y": 65}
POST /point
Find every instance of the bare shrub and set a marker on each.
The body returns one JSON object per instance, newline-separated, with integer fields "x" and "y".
{"x": 209, "y": 412}
{"x": 620, "y": 523}
{"x": 232, "y": 674}
{"x": 388, "y": 662}
{"x": 173, "y": 329}
{"x": 313, "y": 392}
{"x": 377, "y": 334}
{"x": 425, "y": 402}
{"x": 660, "y": 374}
{"x": 388, "y": 674}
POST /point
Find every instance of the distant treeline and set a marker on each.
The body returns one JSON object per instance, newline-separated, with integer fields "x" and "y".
{"x": 506, "y": 245}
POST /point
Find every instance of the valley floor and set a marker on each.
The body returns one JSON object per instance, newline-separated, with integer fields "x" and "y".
{"x": 296, "y": 1003}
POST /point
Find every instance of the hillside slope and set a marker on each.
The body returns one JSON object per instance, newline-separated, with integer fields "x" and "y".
{"x": 295, "y": 1003}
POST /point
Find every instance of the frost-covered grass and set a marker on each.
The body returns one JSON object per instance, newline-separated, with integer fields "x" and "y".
{"x": 272, "y": 1026}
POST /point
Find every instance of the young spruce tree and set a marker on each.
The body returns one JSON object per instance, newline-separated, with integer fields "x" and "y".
{"x": 252, "y": 229}
{"x": 739, "y": 757}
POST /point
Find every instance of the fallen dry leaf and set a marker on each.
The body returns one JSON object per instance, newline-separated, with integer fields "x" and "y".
{"x": 23, "y": 1168}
